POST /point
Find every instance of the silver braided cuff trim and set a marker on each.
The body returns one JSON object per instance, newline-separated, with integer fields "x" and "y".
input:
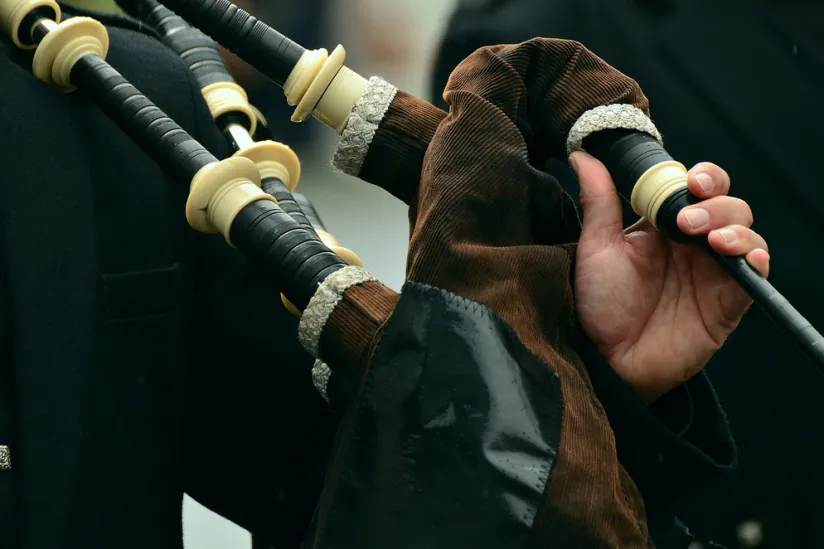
{"x": 609, "y": 117}
{"x": 320, "y": 378}
{"x": 326, "y": 298}
{"x": 361, "y": 126}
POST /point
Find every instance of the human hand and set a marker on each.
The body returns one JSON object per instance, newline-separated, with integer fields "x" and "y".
{"x": 658, "y": 310}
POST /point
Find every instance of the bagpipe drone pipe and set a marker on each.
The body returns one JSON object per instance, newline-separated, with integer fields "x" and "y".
{"x": 427, "y": 455}
{"x": 246, "y": 131}
{"x": 226, "y": 197}
{"x": 596, "y": 112}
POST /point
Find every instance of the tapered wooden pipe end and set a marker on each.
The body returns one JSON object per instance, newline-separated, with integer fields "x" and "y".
{"x": 655, "y": 186}
{"x": 276, "y": 160}
{"x": 13, "y": 14}
{"x": 229, "y": 98}
{"x": 321, "y": 86}
{"x": 219, "y": 191}
{"x": 64, "y": 46}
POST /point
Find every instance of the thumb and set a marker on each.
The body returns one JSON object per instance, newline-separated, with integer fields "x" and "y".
{"x": 603, "y": 216}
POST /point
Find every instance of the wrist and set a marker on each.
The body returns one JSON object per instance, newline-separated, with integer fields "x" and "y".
{"x": 649, "y": 394}
{"x": 651, "y": 379}
{"x": 648, "y": 389}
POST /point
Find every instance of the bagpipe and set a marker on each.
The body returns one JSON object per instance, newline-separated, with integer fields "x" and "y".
{"x": 428, "y": 456}
{"x": 372, "y": 114}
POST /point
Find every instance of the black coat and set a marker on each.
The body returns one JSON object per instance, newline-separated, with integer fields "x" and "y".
{"x": 142, "y": 359}
{"x": 738, "y": 84}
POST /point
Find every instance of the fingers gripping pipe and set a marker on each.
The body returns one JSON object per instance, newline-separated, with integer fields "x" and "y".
{"x": 626, "y": 141}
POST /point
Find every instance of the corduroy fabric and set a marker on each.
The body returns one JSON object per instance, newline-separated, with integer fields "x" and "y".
{"x": 352, "y": 327}
{"x": 488, "y": 225}
{"x": 485, "y": 219}
{"x": 568, "y": 78}
{"x": 396, "y": 154}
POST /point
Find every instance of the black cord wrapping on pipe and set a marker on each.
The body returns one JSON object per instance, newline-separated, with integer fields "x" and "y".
{"x": 288, "y": 253}
{"x": 311, "y": 214}
{"x": 274, "y": 242}
{"x": 197, "y": 50}
{"x": 236, "y": 30}
{"x": 626, "y": 154}
{"x": 167, "y": 143}
{"x": 286, "y": 201}
{"x": 202, "y": 56}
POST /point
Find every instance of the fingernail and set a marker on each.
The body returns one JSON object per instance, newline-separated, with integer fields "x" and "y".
{"x": 705, "y": 181}
{"x": 574, "y": 162}
{"x": 697, "y": 217}
{"x": 729, "y": 235}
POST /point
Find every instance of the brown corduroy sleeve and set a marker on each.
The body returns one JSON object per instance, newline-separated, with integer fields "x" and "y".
{"x": 475, "y": 235}
{"x": 354, "y": 325}
{"x": 483, "y": 216}
{"x": 564, "y": 80}
{"x": 396, "y": 153}
{"x": 561, "y": 80}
